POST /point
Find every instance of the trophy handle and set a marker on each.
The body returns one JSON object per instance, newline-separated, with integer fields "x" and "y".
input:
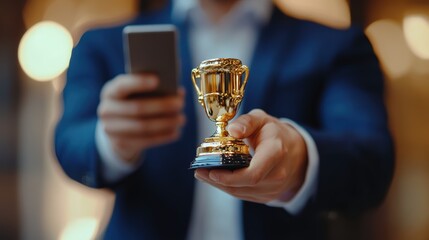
{"x": 196, "y": 74}
{"x": 245, "y": 69}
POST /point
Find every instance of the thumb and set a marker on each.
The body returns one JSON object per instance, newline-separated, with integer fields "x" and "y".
{"x": 247, "y": 124}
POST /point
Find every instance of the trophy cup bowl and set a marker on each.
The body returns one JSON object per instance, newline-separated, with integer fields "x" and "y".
{"x": 221, "y": 89}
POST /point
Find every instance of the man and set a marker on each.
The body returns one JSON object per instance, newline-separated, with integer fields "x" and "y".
{"x": 320, "y": 142}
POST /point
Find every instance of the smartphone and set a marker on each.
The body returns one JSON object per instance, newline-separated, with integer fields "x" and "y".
{"x": 153, "y": 49}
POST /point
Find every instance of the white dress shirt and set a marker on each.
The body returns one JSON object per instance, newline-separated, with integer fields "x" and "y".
{"x": 217, "y": 215}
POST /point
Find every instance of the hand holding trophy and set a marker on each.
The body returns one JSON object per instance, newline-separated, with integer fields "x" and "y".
{"x": 220, "y": 92}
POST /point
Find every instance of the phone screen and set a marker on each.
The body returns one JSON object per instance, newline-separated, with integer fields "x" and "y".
{"x": 152, "y": 49}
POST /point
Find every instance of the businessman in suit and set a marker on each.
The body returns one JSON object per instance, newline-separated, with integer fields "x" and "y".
{"x": 313, "y": 114}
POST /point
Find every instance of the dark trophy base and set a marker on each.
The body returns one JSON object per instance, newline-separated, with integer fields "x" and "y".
{"x": 221, "y": 161}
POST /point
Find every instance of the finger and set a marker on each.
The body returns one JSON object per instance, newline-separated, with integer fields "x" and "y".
{"x": 260, "y": 194}
{"x": 247, "y": 124}
{"x": 127, "y": 84}
{"x": 181, "y": 92}
{"x": 267, "y": 155}
{"x": 237, "y": 178}
{"x": 269, "y": 151}
{"x": 203, "y": 174}
{"x": 143, "y": 127}
{"x": 256, "y": 195}
{"x": 141, "y": 107}
{"x": 265, "y": 188}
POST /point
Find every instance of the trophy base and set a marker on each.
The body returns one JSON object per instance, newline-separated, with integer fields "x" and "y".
{"x": 221, "y": 161}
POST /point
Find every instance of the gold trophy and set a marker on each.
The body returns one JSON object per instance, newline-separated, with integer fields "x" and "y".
{"x": 220, "y": 92}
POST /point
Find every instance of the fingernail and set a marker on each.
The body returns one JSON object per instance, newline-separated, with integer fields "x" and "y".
{"x": 151, "y": 81}
{"x": 243, "y": 129}
{"x": 214, "y": 177}
{"x": 237, "y": 128}
{"x": 198, "y": 177}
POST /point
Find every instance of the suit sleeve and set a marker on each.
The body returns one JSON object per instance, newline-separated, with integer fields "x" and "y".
{"x": 75, "y": 133}
{"x": 353, "y": 140}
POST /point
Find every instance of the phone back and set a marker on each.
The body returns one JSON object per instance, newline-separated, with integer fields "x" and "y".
{"x": 152, "y": 49}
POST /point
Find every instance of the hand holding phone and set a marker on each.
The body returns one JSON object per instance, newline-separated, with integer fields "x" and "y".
{"x": 143, "y": 108}
{"x": 134, "y": 124}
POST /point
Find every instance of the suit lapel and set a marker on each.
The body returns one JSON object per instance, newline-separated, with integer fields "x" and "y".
{"x": 189, "y": 138}
{"x": 272, "y": 39}
{"x": 271, "y": 48}
{"x": 185, "y": 75}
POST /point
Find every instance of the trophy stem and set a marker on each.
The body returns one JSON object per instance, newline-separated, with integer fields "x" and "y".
{"x": 221, "y": 130}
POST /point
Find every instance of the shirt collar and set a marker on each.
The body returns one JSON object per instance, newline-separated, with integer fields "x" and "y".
{"x": 259, "y": 9}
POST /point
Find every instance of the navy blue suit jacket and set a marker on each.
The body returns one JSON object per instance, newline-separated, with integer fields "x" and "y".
{"x": 326, "y": 80}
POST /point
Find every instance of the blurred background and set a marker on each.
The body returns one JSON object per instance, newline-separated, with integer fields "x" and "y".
{"x": 37, "y": 201}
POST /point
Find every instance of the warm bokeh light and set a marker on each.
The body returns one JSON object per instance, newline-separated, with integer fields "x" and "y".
{"x": 62, "y": 12}
{"x": 388, "y": 40}
{"x": 44, "y": 51}
{"x": 33, "y": 11}
{"x": 416, "y": 30}
{"x": 83, "y": 229}
{"x": 413, "y": 198}
{"x": 333, "y": 13}
{"x": 96, "y": 13}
